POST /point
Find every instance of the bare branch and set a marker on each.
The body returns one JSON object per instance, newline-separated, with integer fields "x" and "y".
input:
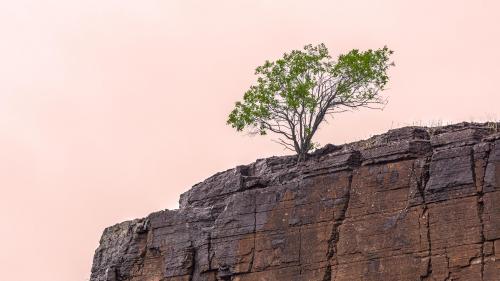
{"x": 336, "y": 87}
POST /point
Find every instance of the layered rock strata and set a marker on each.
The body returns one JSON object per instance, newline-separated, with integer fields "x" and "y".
{"x": 412, "y": 204}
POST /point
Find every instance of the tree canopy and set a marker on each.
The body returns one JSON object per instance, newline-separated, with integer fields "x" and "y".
{"x": 296, "y": 93}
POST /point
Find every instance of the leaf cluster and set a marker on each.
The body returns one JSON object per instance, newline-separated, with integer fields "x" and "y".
{"x": 294, "y": 94}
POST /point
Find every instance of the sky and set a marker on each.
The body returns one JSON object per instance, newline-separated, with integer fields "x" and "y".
{"x": 110, "y": 109}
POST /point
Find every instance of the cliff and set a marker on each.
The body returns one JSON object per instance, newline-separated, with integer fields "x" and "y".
{"x": 414, "y": 203}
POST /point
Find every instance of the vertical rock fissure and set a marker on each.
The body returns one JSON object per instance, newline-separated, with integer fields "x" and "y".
{"x": 332, "y": 253}
{"x": 250, "y": 266}
{"x": 209, "y": 248}
{"x": 421, "y": 184}
{"x": 417, "y": 179}
{"x": 480, "y": 204}
{"x": 193, "y": 251}
{"x": 300, "y": 250}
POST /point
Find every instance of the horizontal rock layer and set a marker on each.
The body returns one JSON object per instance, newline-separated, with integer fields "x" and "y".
{"x": 412, "y": 204}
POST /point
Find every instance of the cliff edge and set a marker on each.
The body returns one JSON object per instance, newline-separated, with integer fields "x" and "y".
{"x": 414, "y": 203}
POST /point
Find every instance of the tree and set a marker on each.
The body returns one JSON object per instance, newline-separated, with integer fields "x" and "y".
{"x": 296, "y": 93}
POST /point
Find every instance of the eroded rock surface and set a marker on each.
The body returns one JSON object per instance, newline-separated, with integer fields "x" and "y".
{"x": 412, "y": 204}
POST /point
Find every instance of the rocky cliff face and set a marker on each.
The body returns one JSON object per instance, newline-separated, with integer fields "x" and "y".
{"x": 412, "y": 204}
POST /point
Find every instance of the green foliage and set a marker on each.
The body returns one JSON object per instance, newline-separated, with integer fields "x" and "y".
{"x": 295, "y": 93}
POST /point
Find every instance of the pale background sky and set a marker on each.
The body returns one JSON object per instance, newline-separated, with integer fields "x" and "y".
{"x": 110, "y": 109}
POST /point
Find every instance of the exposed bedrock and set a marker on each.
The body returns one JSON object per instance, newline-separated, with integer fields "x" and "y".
{"x": 414, "y": 203}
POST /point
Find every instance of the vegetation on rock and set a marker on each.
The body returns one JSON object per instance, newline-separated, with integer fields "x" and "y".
{"x": 296, "y": 93}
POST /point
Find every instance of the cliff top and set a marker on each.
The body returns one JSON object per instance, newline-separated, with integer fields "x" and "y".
{"x": 412, "y": 200}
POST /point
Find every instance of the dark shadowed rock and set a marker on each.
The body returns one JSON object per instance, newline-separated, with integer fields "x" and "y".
{"x": 411, "y": 204}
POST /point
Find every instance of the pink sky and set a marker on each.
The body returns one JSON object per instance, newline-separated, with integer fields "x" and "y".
{"x": 110, "y": 109}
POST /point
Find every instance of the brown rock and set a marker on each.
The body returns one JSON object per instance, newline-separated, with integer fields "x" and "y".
{"x": 412, "y": 204}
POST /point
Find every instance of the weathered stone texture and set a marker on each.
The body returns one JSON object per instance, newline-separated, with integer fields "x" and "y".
{"x": 412, "y": 204}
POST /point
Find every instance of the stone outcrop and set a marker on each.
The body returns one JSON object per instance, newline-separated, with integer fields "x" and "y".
{"x": 414, "y": 203}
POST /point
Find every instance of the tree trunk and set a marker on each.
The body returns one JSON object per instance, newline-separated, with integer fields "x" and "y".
{"x": 301, "y": 155}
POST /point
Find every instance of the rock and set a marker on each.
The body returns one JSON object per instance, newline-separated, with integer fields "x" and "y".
{"x": 412, "y": 204}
